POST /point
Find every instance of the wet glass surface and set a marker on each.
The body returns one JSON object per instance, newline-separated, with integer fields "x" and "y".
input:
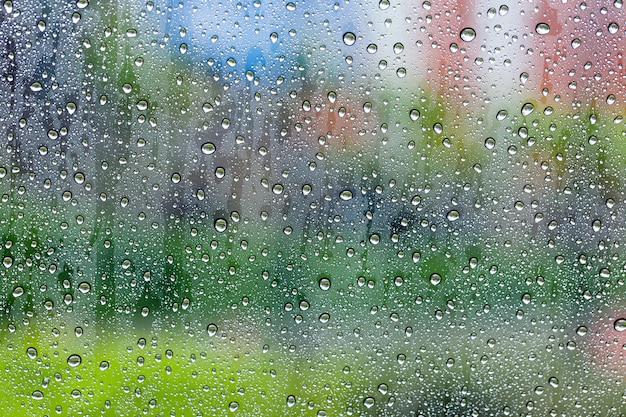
{"x": 312, "y": 208}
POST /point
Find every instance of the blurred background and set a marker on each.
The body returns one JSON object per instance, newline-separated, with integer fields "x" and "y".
{"x": 312, "y": 208}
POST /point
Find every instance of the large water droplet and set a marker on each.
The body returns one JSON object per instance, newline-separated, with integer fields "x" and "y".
{"x": 542, "y": 28}
{"x": 468, "y": 34}
{"x": 220, "y": 225}
{"x": 435, "y": 278}
{"x": 620, "y": 325}
{"x": 74, "y": 360}
{"x": 349, "y": 38}
{"x": 208, "y": 148}
{"x": 453, "y": 215}
{"x": 346, "y": 195}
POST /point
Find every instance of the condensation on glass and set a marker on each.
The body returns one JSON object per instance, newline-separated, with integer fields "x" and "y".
{"x": 312, "y": 208}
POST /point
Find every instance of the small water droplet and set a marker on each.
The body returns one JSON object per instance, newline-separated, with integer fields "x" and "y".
{"x": 398, "y": 48}
{"x": 613, "y": 28}
{"x": 374, "y": 239}
{"x": 37, "y": 395}
{"x": 414, "y": 114}
{"x": 233, "y": 406}
{"x": 372, "y": 48}
{"x": 369, "y": 402}
{"x": 581, "y": 331}
{"x": 324, "y": 284}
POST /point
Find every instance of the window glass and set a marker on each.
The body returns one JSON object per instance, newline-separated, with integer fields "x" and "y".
{"x": 267, "y": 207}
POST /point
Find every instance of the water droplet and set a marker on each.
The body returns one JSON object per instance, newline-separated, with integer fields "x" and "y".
{"x": 610, "y": 99}
{"x": 18, "y": 291}
{"x": 374, "y": 239}
{"x": 435, "y": 278}
{"x": 74, "y": 360}
{"x": 31, "y": 352}
{"x": 468, "y": 34}
{"x": 372, "y": 48}
{"x": 324, "y": 284}
{"x": 220, "y": 225}
{"x": 401, "y": 72}
{"x": 233, "y": 406}
{"x": 523, "y": 78}
{"x": 490, "y": 143}
{"x": 81, "y": 4}
{"x": 527, "y": 109}
{"x": 398, "y": 48}
{"x": 369, "y": 402}
{"x": 291, "y": 401}
{"x": 596, "y": 225}
{"x": 576, "y": 43}
{"x": 277, "y": 189}
{"x": 291, "y": 6}
{"x": 349, "y": 38}
{"x": 346, "y": 195}
{"x": 581, "y": 331}
{"x": 36, "y": 86}
{"x": 414, "y": 114}
{"x": 383, "y": 4}
{"x": 211, "y": 329}
{"x": 620, "y": 325}
{"x": 7, "y": 261}
{"x": 84, "y": 287}
{"x": 453, "y": 215}
{"x": 613, "y": 28}
{"x": 104, "y": 365}
{"x": 542, "y": 28}
{"x": 208, "y": 148}
{"x": 37, "y": 395}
